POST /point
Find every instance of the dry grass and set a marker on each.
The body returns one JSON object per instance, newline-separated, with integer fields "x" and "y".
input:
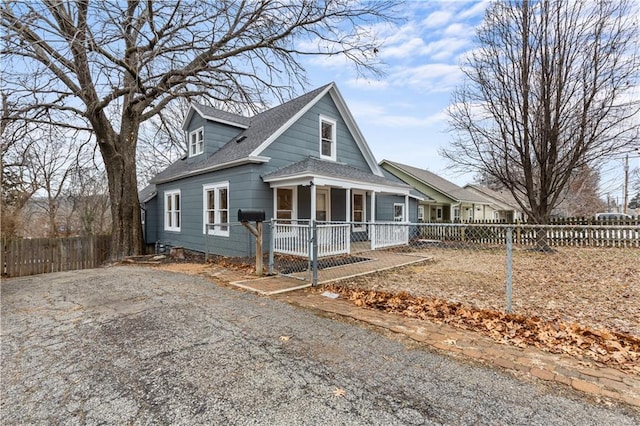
{"x": 597, "y": 288}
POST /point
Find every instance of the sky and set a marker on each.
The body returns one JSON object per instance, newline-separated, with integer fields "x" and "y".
{"x": 402, "y": 114}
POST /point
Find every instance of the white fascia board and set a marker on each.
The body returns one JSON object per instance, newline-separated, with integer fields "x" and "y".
{"x": 187, "y": 118}
{"x": 150, "y": 197}
{"x": 355, "y": 131}
{"x": 229, "y": 164}
{"x": 275, "y": 135}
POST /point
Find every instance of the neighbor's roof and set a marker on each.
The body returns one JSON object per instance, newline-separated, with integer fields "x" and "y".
{"x": 438, "y": 183}
{"x": 503, "y": 196}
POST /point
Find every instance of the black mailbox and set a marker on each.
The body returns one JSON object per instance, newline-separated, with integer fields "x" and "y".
{"x": 248, "y": 215}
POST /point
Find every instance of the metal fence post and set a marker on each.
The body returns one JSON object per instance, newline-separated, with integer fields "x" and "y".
{"x": 314, "y": 253}
{"x": 509, "y": 266}
{"x": 272, "y": 245}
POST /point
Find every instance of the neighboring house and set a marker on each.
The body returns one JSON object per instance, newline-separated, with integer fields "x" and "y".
{"x": 445, "y": 201}
{"x": 503, "y": 207}
{"x": 303, "y": 160}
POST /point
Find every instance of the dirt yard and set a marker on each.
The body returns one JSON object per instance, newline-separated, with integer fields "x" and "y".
{"x": 597, "y": 288}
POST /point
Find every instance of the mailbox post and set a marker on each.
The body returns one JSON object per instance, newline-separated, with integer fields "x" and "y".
{"x": 245, "y": 217}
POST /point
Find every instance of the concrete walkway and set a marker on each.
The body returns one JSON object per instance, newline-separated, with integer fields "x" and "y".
{"x": 583, "y": 376}
{"x": 281, "y": 284}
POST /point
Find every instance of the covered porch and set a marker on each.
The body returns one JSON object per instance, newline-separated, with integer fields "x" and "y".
{"x": 343, "y": 206}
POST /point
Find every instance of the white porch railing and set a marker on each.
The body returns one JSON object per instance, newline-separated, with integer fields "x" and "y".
{"x": 388, "y": 234}
{"x": 290, "y": 238}
{"x": 333, "y": 239}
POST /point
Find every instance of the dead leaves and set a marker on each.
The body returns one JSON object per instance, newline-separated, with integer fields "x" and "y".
{"x": 611, "y": 348}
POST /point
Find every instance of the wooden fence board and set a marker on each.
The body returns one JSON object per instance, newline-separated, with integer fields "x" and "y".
{"x": 21, "y": 257}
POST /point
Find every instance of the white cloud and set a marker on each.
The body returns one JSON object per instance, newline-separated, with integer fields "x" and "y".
{"x": 429, "y": 77}
{"x": 437, "y": 19}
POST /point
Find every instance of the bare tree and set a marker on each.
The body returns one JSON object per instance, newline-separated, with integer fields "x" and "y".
{"x": 115, "y": 65}
{"x": 88, "y": 196}
{"x": 16, "y": 182}
{"x": 52, "y": 157}
{"x": 551, "y": 88}
{"x": 161, "y": 140}
{"x": 581, "y": 196}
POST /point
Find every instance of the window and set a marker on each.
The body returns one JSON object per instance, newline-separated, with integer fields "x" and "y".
{"x": 327, "y": 138}
{"x": 216, "y": 209}
{"x": 438, "y": 213}
{"x": 322, "y": 205}
{"x": 398, "y": 212}
{"x": 196, "y": 142}
{"x": 358, "y": 212}
{"x": 456, "y": 214}
{"x": 284, "y": 208}
{"x": 172, "y": 210}
{"x": 420, "y": 213}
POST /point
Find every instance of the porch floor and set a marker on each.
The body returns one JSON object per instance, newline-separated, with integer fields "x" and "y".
{"x": 280, "y": 284}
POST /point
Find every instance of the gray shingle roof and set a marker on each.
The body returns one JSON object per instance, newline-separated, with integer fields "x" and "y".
{"x": 441, "y": 184}
{"x": 260, "y": 128}
{"x": 220, "y": 115}
{"x": 316, "y": 166}
{"x": 147, "y": 193}
{"x": 503, "y": 195}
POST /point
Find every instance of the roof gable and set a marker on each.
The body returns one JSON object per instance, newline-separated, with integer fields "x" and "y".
{"x": 437, "y": 183}
{"x": 213, "y": 114}
{"x": 260, "y": 131}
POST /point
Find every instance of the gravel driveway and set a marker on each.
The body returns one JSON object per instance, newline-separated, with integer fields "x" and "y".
{"x": 130, "y": 345}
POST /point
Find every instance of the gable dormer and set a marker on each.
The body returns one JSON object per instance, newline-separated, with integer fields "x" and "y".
{"x": 207, "y": 129}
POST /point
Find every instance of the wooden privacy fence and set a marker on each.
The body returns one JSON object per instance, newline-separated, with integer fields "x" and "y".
{"x": 20, "y": 257}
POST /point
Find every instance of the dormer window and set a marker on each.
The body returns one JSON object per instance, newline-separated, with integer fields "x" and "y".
{"x": 327, "y": 138}
{"x": 196, "y": 142}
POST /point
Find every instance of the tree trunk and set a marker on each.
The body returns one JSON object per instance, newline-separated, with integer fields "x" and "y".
{"x": 119, "y": 156}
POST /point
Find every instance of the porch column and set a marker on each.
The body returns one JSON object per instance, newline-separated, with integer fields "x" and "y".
{"x": 406, "y": 209}
{"x": 373, "y": 206}
{"x": 275, "y": 203}
{"x": 347, "y": 203}
{"x": 313, "y": 201}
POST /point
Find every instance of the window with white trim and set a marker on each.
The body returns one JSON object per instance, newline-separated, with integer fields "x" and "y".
{"x": 327, "y": 138}
{"x": 456, "y": 214}
{"x": 420, "y": 213}
{"x": 196, "y": 142}
{"x": 284, "y": 204}
{"x": 172, "y": 210}
{"x": 216, "y": 209}
{"x": 398, "y": 212}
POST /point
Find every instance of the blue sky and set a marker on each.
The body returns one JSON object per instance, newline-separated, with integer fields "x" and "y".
{"x": 403, "y": 114}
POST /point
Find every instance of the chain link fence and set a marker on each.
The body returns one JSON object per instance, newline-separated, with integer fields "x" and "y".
{"x": 571, "y": 272}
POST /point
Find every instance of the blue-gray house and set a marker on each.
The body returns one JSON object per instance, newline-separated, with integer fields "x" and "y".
{"x": 303, "y": 160}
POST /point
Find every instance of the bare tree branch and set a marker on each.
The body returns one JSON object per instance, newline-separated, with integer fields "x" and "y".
{"x": 551, "y": 90}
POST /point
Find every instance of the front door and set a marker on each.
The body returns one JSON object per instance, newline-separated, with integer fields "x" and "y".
{"x": 322, "y": 205}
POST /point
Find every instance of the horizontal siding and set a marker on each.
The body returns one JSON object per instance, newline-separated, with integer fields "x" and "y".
{"x": 301, "y": 140}
{"x": 246, "y": 191}
{"x": 216, "y": 135}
